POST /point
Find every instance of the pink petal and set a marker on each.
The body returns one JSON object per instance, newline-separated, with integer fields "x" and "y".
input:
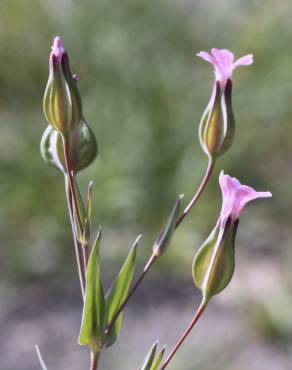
{"x": 235, "y": 196}
{"x": 223, "y": 62}
{"x": 58, "y": 47}
{"x": 223, "y": 56}
{"x": 243, "y": 61}
{"x": 206, "y": 56}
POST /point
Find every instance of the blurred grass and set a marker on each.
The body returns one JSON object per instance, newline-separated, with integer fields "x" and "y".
{"x": 143, "y": 93}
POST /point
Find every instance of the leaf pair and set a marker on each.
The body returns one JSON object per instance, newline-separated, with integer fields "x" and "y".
{"x": 99, "y": 309}
{"x": 151, "y": 362}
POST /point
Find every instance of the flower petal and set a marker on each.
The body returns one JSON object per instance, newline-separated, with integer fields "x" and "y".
{"x": 243, "y": 61}
{"x": 223, "y": 62}
{"x": 206, "y": 56}
{"x": 58, "y": 47}
{"x": 235, "y": 196}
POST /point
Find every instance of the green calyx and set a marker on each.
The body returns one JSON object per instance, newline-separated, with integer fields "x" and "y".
{"x": 213, "y": 265}
{"x": 82, "y": 147}
{"x": 217, "y": 126}
{"x": 62, "y": 103}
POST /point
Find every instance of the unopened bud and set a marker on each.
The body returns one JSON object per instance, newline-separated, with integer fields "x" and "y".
{"x": 82, "y": 147}
{"x": 62, "y": 102}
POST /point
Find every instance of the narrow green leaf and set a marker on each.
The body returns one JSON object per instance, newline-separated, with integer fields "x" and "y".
{"x": 148, "y": 361}
{"x": 43, "y": 365}
{"x": 166, "y": 233}
{"x": 92, "y": 326}
{"x": 118, "y": 292}
{"x": 88, "y": 216}
{"x": 89, "y": 201}
{"x": 158, "y": 360}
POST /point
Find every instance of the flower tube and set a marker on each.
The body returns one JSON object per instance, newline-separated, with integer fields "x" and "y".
{"x": 213, "y": 264}
{"x": 217, "y": 126}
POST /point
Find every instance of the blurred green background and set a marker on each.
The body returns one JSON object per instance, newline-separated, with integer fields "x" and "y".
{"x": 143, "y": 93}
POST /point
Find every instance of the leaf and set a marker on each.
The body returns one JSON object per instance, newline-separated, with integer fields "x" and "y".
{"x": 82, "y": 213}
{"x": 147, "y": 364}
{"x": 92, "y": 326}
{"x": 118, "y": 292}
{"x": 88, "y": 215}
{"x": 166, "y": 233}
{"x": 43, "y": 365}
{"x": 158, "y": 360}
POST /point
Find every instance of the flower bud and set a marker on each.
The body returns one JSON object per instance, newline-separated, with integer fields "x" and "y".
{"x": 62, "y": 102}
{"x": 82, "y": 147}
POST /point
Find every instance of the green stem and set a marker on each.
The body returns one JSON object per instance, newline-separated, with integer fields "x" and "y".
{"x": 75, "y": 207}
{"x": 198, "y": 314}
{"x": 77, "y": 245}
{"x": 72, "y": 184}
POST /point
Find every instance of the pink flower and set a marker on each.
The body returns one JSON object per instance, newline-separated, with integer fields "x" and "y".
{"x": 235, "y": 196}
{"x": 223, "y": 62}
{"x": 58, "y": 48}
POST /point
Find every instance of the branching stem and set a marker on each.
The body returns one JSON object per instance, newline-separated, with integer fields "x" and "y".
{"x": 153, "y": 257}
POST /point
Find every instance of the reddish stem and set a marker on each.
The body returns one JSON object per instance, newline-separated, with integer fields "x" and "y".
{"x": 153, "y": 257}
{"x": 94, "y": 360}
{"x": 200, "y": 190}
{"x": 198, "y": 314}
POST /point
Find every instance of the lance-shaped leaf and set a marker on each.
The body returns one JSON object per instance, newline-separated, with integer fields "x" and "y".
{"x": 149, "y": 358}
{"x": 79, "y": 234}
{"x": 88, "y": 217}
{"x": 166, "y": 233}
{"x": 158, "y": 360}
{"x": 92, "y": 326}
{"x": 118, "y": 292}
{"x": 213, "y": 264}
{"x": 40, "y": 357}
{"x": 151, "y": 362}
